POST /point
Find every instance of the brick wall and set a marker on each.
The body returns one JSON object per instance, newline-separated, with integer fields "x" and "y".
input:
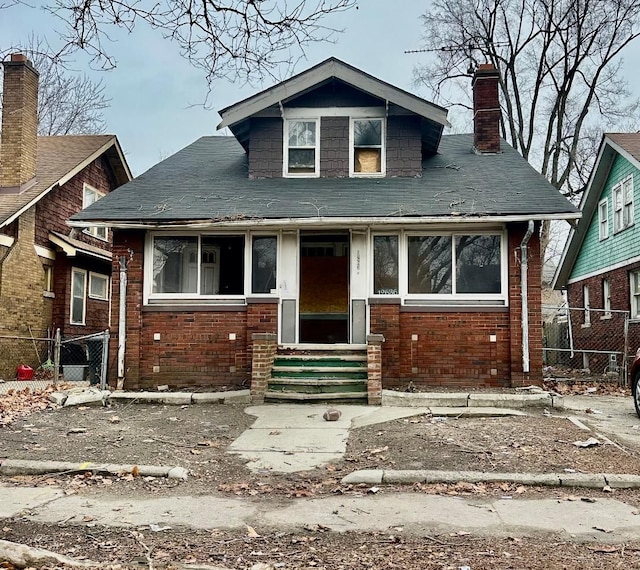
{"x": 404, "y": 146}
{"x": 265, "y": 148}
{"x": 454, "y": 348}
{"x": 486, "y": 109}
{"x": 22, "y": 304}
{"x": 603, "y": 334}
{"x": 334, "y": 147}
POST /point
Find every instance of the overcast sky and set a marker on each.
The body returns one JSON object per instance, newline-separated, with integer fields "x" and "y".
{"x": 156, "y": 96}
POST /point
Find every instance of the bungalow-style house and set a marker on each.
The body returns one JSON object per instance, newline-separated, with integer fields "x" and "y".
{"x": 600, "y": 264}
{"x": 51, "y": 276}
{"x": 336, "y": 244}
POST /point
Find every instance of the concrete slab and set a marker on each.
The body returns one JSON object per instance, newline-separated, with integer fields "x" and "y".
{"x": 509, "y": 400}
{"x": 170, "y": 398}
{"x": 14, "y": 500}
{"x": 476, "y": 412}
{"x": 237, "y": 397}
{"x": 86, "y": 396}
{"x": 619, "y": 481}
{"x": 286, "y": 416}
{"x": 382, "y": 414}
{"x": 282, "y": 462}
{"x": 423, "y": 399}
{"x": 202, "y": 512}
{"x": 589, "y": 480}
{"x": 365, "y": 476}
{"x": 208, "y": 398}
{"x": 305, "y": 440}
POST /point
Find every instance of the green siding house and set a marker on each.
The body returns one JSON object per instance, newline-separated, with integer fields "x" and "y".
{"x": 600, "y": 266}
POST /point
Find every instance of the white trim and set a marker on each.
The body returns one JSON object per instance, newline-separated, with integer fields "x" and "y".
{"x": 602, "y": 235}
{"x": 72, "y": 251}
{"x": 97, "y": 195}
{"x": 334, "y": 223}
{"x": 93, "y": 275}
{"x": 383, "y": 148}
{"x": 354, "y": 112}
{"x": 113, "y": 141}
{"x": 83, "y": 272}
{"x": 45, "y": 252}
{"x": 316, "y": 148}
{"x": 7, "y": 241}
{"x": 618, "y": 265}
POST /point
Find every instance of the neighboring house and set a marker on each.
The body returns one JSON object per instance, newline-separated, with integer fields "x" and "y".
{"x": 600, "y": 265}
{"x": 51, "y": 276}
{"x": 337, "y": 218}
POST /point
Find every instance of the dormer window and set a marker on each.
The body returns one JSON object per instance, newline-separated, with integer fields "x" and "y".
{"x": 367, "y": 147}
{"x": 301, "y": 148}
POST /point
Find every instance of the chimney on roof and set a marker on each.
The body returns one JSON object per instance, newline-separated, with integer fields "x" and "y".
{"x": 486, "y": 109}
{"x": 19, "y": 125}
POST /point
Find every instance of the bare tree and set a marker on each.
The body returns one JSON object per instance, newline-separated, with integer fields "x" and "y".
{"x": 560, "y": 73}
{"x": 68, "y": 103}
{"x": 226, "y": 38}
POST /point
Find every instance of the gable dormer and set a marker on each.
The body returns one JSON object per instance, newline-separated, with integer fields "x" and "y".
{"x": 335, "y": 121}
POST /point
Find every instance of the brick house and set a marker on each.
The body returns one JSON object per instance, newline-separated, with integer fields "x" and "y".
{"x": 336, "y": 244}
{"x": 600, "y": 264}
{"x": 51, "y": 276}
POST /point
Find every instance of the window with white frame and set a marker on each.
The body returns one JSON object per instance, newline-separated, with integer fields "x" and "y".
{"x": 89, "y": 196}
{"x": 263, "y": 264}
{"x": 606, "y": 298}
{"x": 302, "y": 156}
{"x": 78, "y": 296}
{"x": 587, "y": 306}
{"x": 367, "y": 152}
{"x": 98, "y": 286}
{"x": 462, "y": 267}
{"x": 603, "y": 219}
{"x": 48, "y": 278}
{"x": 634, "y": 294}
{"x": 623, "y": 215}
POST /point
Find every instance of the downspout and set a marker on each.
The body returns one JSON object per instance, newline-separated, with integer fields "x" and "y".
{"x": 122, "y": 321}
{"x": 524, "y": 290}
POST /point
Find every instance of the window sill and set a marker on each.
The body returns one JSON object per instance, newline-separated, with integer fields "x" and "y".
{"x": 97, "y": 298}
{"x": 605, "y": 317}
{"x": 49, "y": 294}
{"x": 585, "y": 325}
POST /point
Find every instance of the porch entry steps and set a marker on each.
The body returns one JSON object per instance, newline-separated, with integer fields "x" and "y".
{"x": 317, "y": 373}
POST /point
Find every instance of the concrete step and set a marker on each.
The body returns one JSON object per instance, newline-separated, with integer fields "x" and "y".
{"x": 304, "y": 397}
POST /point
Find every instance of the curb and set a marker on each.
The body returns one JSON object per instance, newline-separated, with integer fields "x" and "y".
{"x": 86, "y": 396}
{"x": 539, "y": 398}
{"x": 586, "y": 480}
{"x": 26, "y": 467}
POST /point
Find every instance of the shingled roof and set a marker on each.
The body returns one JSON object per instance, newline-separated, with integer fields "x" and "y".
{"x": 207, "y": 182}
{"x": 59, "y": 158}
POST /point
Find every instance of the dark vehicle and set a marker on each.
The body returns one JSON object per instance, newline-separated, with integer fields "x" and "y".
{"x": 634, "y": 374}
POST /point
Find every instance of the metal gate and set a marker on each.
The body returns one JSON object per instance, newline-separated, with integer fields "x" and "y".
{"x": 82, "y": 358}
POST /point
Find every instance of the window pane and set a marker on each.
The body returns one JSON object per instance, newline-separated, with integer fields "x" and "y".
{"x": 302, "y": 160}
{"x": 429, "y": 264}
{"x": 263, "y": 267}
{"x": 98, "y": 286}
{"x": 227, "y": 278}
{"x": 478, "y": 264}
{"x": 302, "y": 133}
{"x": 175, "y": 265}
{"x": 77, "y": 301}
{"x": 385, "y": 265}
{"x": 367, "y": 132}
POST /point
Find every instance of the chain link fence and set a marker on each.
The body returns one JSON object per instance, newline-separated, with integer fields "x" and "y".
{"x": 586, "y": 343}
{"x": 55, "y": 359}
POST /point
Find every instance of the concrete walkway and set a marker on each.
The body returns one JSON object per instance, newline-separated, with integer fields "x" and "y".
{"x": 286, "y": 438}
{"x": 604, "y": 520}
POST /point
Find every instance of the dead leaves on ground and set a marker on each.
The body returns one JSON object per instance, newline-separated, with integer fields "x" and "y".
{"x": 17, "y": 404}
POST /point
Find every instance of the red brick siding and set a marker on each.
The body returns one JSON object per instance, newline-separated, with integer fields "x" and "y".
{"x": 603, "y": 334}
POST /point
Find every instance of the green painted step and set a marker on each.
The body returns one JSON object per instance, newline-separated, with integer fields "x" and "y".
{"x": 319, "y": 374}
{"x": 361, "y": 396}
{"x": 315, "y": 387}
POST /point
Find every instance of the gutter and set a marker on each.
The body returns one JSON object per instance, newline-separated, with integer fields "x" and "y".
{"x": 122, "y": 321}
{"x": 524, "y": 291}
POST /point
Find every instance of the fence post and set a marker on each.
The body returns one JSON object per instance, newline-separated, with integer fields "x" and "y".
{"x": 56, "y": 358}
{"x": 105, "y": 360}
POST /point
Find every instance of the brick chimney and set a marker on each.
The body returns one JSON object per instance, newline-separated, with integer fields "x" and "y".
{"x": 19, "y": 135}
{"x": 486, "y": 109}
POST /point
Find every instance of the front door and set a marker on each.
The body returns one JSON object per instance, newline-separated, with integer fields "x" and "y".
{"x": 324, "y": 288}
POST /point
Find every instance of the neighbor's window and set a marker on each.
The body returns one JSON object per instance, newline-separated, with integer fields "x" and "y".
{"x": 198, "y": 265}
{"x": 385, "y": 265}
{"x": 623, "y": 204}
{"x": 263, "y": 264}
{"x": 48, "y": 278}
{"x": 98, "y": 286}
{"x": 635, "y": 294}
{"x": 367, "y": 148}
{"x": 89, "y": 196}
{"x": 587, "y": 306}
{"x": 606, "y": 298}
{"x": 78, "y": 296}
{"x": 301, "y": 153}
{"x": 603, "y": 219}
